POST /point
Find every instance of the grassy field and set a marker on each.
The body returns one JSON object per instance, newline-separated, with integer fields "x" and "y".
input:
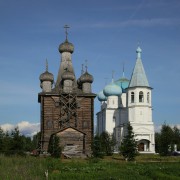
{"x": 109, "y": 168}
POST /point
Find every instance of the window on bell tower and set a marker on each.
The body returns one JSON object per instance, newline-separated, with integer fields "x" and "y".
{"x": 132, "y": 97}
{"x": 141, "y": 96}
{"x": 148, "y": 97}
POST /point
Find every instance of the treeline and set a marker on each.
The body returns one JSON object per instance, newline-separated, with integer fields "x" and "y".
{"x": 14, "y": 142}
{"x": 167, "y": 140}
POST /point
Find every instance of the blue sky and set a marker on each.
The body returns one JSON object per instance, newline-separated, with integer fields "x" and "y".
{"x": 104, "y": 32}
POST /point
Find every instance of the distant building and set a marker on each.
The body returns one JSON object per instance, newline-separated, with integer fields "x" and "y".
{"x": 125, "y": 101}
{"x": 67, "y": 108}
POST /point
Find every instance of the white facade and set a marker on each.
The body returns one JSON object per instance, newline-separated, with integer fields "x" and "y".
{"x": 134, "y": 106}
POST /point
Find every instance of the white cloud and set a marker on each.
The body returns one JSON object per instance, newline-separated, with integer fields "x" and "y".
{"x": 26, "y": 128}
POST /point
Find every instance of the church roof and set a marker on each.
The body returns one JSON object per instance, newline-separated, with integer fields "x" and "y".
{"x": 138, "y": 77}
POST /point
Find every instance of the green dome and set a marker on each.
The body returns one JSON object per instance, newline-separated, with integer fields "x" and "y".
{"x": 112, "y": 89}
{"x": 101, "y": 96}
{"x": 123, "y": 83}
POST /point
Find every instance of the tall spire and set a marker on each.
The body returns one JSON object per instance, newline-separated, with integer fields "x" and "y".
{"x": 138, "y": 77}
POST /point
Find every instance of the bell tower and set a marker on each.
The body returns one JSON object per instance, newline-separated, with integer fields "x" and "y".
{"x": 139, "y": 105}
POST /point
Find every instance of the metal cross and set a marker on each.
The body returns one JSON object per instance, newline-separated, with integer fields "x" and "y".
{"x": 46, "y": 64}
{"x": 66, "y": 27}
{"x": 113, "y": 74}
{"x": 82, "y": 71}
{"x": 86, "y": 65}
{"x": 123, "y": 69}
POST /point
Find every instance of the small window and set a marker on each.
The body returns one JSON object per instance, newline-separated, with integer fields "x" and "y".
{"x": 132, "y": 97}
{"x": 114, "y": 119}
{"x": 85, "y": 124}
{"x": 148, "y": 97}
{"x": 141, "y": 96}
{"x": 49, "y": 124}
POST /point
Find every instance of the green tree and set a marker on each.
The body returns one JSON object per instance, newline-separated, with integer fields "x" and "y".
{"x": 17, "y": 140}
{"x": 166, "y": 145}
{"x": 54, "y": 146}
{"x": 36, "y": 141}
{"x": 96, "y": 147}
{"x": 128, "y": 147}
{"x": 1, "y": 139}
{"x": 103, "y": 145}
{"x": 7, "y": 144}
{"x": 107, "y": 143}
{"x": 157, "y": 141}
{"x": 176, "y": 138}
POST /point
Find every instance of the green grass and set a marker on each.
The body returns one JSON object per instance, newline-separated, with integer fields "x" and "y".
{"x": 109, "y": 168}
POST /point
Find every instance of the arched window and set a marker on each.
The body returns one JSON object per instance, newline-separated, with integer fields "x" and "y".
{"x": 141, "y": 96}
{"x": 132, "y": 97}
{"x": 114, "y": 119}
{"x": 148, "y": 97}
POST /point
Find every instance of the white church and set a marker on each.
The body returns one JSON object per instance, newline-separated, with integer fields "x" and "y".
{"x": 124, "y": 101}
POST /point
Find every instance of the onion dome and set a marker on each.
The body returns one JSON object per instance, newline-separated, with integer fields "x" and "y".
{"x": 46, "y": 76}
{"x": 101, "y": 96}
{"x": 112, "y": 89}
{"x": 67, "y": 75}
{"x": 66, "y": 47}
{"x": 86, "y": 78}
{"x": 123, "y": 83}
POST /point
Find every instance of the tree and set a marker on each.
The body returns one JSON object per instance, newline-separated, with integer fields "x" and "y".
{"x": 1, "y": 139}
{"x": 96, "y": 147}
{"x": 103, "y": 145}
{"x": 17, "y": 141}
{"x": 157, "y": 141}
{"x": 176, "y": 138}
{"x": 54, "y": 148}
{"x": 107, "y": 143}
{"x": 166, "y": 145}
{"x": 128, "y": 147}
{"x": 36, "y": 141}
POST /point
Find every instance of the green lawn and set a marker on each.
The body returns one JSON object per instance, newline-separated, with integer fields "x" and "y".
{"x": 109, "y": 168}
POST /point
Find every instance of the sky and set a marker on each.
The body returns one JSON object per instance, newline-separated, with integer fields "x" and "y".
{"x": 106, "y": 33}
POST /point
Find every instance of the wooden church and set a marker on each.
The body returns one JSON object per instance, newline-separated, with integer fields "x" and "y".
{"x": 67, "y": 106}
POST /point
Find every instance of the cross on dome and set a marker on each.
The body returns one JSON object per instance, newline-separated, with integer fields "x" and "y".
{"x": 46, "y": 64}
{"x": 66, "y": 27}
{"x": 113, "y": 75}
{"x": 86, "y": 65}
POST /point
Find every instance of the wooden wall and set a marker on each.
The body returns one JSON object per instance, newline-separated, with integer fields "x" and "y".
{"x": 51, "y": 114}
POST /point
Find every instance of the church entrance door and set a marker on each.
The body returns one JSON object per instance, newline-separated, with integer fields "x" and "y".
{"x": 141, "y": 147}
